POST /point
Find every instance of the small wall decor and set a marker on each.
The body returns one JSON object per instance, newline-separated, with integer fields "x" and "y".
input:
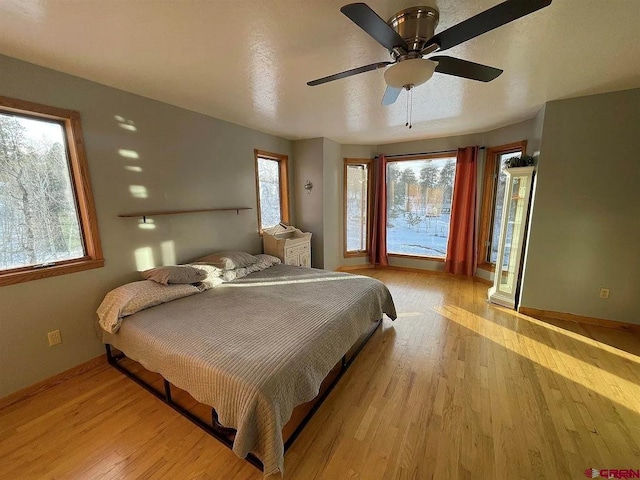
{"x": 308, "y": 186}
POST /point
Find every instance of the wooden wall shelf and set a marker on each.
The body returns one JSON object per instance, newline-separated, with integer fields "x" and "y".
{"x": 144, "y": 215}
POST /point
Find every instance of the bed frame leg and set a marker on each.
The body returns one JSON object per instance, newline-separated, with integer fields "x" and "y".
{"x": 110, "y": 359}
{"x": 215, "y": 423}
{"x": 214, "y": 419}
{"x": 167, "y": 391}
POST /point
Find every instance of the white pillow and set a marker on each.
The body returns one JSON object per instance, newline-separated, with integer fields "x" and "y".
{"x": 228, "y": 260}
{"x": 236, "y": 273}
{"x": 213, "y": 275}
{"x": 264, "y": 261}
{"x": 207, "y": 269}
{"x": 267, "y": 261}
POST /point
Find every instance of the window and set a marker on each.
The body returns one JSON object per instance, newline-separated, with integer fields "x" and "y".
{"x": 493, "y": 200}
{"x": 47, "y": 217}
{"x": 272, "y": 188}
{"x": 357, "y": 185}
{"x": 419, "y": 197}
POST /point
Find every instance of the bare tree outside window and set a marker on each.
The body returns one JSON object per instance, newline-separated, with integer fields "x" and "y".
{"x": 39, "y": 221}
{"x": 48, "y": 223}
{"x": 269, "y": 192}
{"x": 419, "y": 197}
{"x": 357, "y": 177}
{"x": 271, "y": 185}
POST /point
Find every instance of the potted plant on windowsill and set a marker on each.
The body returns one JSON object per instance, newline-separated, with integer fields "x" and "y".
{"x": 521, "y": 161}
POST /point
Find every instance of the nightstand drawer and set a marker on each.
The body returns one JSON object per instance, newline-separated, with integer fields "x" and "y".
{"x": 295, "y": 250}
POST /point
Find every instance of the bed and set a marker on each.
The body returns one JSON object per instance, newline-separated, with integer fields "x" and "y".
{"x": 255, "y": 348}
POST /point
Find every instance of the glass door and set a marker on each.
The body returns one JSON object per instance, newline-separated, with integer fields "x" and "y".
{"x": 512, "y": 229}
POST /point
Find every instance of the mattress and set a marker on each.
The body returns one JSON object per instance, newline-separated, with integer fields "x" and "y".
{"x": 256, "y": 347}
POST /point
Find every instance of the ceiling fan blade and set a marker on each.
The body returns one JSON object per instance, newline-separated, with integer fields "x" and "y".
{"x": 368, "y": 20}
{"x": 486, "y": 21}
{"x": 348, "y": 73}
{"x": 390, "y": 95}
{"x": 465, "y": 69}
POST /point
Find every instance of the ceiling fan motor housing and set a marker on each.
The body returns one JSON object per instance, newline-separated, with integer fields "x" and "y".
{"x": 416, "y": 25}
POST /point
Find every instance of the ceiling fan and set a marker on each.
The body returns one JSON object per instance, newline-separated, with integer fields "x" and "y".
{"x": 410, "y": 36}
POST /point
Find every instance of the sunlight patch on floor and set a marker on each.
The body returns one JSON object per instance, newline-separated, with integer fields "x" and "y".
{"x": 590, "y": 376}
{"x": 575, "y": 336}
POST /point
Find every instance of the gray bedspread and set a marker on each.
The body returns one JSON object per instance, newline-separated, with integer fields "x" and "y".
{"x": 257, "y": 347}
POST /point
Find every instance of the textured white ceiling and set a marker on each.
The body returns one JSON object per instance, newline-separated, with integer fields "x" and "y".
{"x": 248, "y": 61}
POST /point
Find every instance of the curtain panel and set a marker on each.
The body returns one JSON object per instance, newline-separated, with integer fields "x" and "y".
{"x": 378, "y": 247}
{"x": 462, "y": 254}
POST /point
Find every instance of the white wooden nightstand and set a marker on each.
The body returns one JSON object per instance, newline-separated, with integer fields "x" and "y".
{"x": 289, "y": 244}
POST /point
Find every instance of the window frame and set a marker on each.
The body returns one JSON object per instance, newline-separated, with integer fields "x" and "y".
{"x": 489, "y": 186}
{"x": 429, "y": 156}
{"x": 369, "y": 163}
{"x": 283, "y": 180}
{"x": 83, "y": 195}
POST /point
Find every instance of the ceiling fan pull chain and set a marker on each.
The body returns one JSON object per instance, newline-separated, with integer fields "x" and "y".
{"x": 406, "y": 124}
{"x": 410, "y": 106}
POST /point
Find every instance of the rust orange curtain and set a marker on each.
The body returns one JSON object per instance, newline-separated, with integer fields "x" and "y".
{"x": 378, "y": 246}
{"x": 462, "y": 254}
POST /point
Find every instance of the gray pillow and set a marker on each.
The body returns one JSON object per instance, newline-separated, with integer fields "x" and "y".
{"x": 133, "y": 297}
{"x": 228, "y": 260}
{"x": 175, "y": 274}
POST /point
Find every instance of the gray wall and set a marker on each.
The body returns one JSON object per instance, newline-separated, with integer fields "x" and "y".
{"x": 585, "y": 224}
{"x": 318, "y": 160}
{"x": 332, "y": 203}
{"x": 538, "y": 126}
{"x": 309, "y": 211}
{"x": 358, "y": 151}
{"x": 188, "y": 160}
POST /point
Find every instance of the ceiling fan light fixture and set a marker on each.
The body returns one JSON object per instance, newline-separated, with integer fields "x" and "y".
{"x": 414, "y": 71}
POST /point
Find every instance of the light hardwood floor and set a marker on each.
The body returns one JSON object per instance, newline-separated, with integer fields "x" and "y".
{"x": 454, "y": 389}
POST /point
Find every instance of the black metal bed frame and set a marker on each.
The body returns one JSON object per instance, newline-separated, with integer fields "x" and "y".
{"x": 216, "y": 429}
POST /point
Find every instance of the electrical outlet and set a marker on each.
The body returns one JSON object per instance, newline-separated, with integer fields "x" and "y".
{"x": 604, "y": 293}
{"x": 54, "y": 338}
